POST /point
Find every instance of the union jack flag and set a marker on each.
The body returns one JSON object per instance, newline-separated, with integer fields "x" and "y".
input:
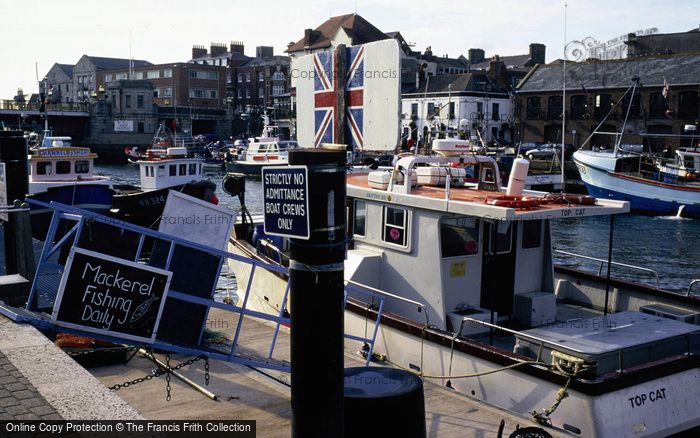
{"x": 325, "y": 101}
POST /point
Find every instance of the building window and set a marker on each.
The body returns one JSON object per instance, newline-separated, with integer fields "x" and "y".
{"x": 121, "y": 76}
{"x": 261, "y": 76}
{"x": 247, "y": 77}
{"x": 360, "y": 218}
{"x": 414, "y": 110}
{"x": 62, "y": 167}
{"x": 480, "y": 110}
{"x": 197, "y": 93}
{"x": 240, "y": 77}
{"x": 579, "y": 106}
{"x": 459, "y": 237}
{"x": 261, "y": 93}
{"x": 168, "y": 92}
{"x": 431, "y": 110}
{"x": 533, "y": 108}
{"x": 635, "y": 109}
{"x": 532, "y": 234}
{"x": 156, "y": 93}
{"x": 603, "y": 104}
{"x": 495, "y": 114}
{"x": 139, "y": 101}
{"x": 153, "y": 74}
{"x": 554, "y": 108}
{"x": 394, "y": 229}
{"x": 240, "y": 93}
{"x": 139, "y": 127}
{"x": 277, "y": 90}
{"x": 108, "y": 77}
{"x": 127, "y": 101}
{"x": 213, "y": 94}
{"x": 168, "y": 73}
{"x": 247, "y": 93}
{"x": 688, "y": 105}
{"x": 278, "y": 76}
{"x": 82, "y": 166}
{"x": 657, "y": 105}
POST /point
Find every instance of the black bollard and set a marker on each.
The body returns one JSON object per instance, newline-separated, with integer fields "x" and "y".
{"x": 316, "y": 299}
{"x": 13, "y": 152}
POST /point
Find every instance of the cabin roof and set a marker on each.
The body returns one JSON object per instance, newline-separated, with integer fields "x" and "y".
{"x": 472, "y": 202}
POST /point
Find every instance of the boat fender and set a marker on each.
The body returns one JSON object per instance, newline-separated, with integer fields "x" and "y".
{"x": 513, "y": 201}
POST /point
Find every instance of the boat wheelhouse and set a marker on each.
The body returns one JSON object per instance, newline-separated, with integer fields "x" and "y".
{"x": 173, "y": 170}
{"x": 262, "y": 151}
{"x": 472, "y": 301}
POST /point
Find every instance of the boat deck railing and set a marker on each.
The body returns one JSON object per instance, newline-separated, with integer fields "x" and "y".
{"x": 603, "y": 262}
{"x": 690, "y": 286}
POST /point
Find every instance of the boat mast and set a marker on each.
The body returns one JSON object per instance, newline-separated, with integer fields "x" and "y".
{"x": 563, "y": 112}
{"x": 635, "y": 83}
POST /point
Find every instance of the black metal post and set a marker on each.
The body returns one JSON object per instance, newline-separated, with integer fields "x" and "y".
{"x": 13, "y": 152}
{"x": 607, "y": 279}
{"x": 316, "y": 299}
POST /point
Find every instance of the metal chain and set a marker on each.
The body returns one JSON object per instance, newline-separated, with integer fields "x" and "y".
{"x": 91, "y": 350}
{"x": 206, "y": 370}
{"x": 155, "y": 373}
{"x": 167, "y": 377}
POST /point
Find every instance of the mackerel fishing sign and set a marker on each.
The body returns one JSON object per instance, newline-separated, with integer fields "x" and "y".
{"x": 286, "y": 201}
{"x": 111, "y": 296}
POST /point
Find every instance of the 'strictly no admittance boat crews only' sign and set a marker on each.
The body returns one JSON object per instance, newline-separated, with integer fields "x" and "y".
{"x": 115, "y": 297}
{"x": 285, "y": 199}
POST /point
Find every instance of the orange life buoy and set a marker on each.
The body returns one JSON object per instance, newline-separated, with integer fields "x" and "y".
{"x": 513, "y": 201}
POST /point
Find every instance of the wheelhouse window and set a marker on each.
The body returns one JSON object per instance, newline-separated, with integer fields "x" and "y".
{"x": 504, "y": 230}
{"x": 193, "y": 168}
{"x": 360, "y": 218}
{"x": 62, "y": 167}
{"x": 82, "y": 166}
{"x": 459, "y": 237}
{"x": 161, "y": 171}
{"x": 173, "y": 170}
{"x": 532, "y": 234}
{"x": 44, "y": 169}
{"x": 395, "y": 223}
{"x": 183, "y": 169}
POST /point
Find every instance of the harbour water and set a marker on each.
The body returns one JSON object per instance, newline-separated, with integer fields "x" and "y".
{"x": 663, "y": 244}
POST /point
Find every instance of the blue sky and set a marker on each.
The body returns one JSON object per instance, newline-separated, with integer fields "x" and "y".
{"x": 43, "y": 32}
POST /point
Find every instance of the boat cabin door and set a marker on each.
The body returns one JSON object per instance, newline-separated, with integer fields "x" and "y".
{"x": 498, "y": 266}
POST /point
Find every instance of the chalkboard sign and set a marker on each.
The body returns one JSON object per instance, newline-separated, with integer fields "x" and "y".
{"x": 111, "y": 296}
{"x": 286, "y": 201}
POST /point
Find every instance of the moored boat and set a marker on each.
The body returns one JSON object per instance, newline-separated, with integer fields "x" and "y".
{"x": 64, "y": 173}
{"x": 143, "y": 205}
{"x": 471, "y": 300}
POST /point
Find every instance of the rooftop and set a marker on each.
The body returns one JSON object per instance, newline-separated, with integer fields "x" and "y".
{"x": 358, "y": 29}
{"x": 592, "y": 74}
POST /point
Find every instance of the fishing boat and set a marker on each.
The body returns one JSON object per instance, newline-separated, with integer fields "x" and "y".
{"x": 162, "y": 140}
{"x": 64, "y": 173}
{"x": 173, "y": 170}
{"x": 653, "y": 184}
{"x": 261, "y": 151}
{"x": 472, "y": 300}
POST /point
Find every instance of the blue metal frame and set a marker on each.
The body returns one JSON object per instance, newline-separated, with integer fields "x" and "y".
{"x": 72, "y": 237}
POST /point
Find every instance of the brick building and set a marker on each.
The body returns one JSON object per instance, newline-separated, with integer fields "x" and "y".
{"x": 177, "y": 84}
{"x": 595, "y": 87}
